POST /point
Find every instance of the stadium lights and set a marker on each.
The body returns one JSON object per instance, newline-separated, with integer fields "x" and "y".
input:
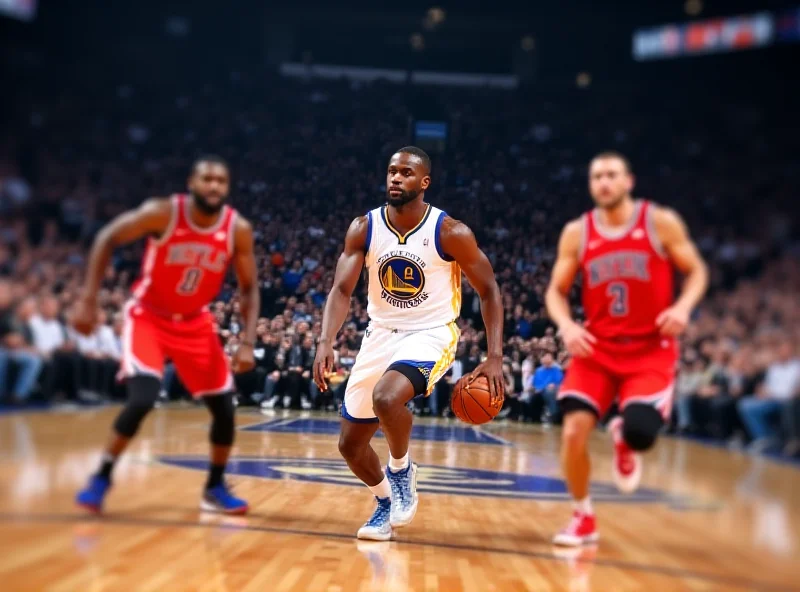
{"x": 417, "y": 42}
{"x": 528, "y": 43}
{"x": 693, "y": 7}
{"x": 583, "y": 80}
{"x": 436, "y": 15}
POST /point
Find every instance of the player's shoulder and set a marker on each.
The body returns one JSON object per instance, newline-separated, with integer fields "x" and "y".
{"x": 453, "y": 228}
{"x": 360, "y": 224}
{"x": 664, "y": 217}
{"x": 574, "y": 228}
{"x": 242, "y": 223}
{"x": 159, "y": 204}
{"x": 156, "y": 213}
{"x": 358, "y": 233}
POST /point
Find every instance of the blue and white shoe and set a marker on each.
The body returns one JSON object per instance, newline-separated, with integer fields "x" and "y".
{"x": 378, "y": 527}
{"x": 93, "y": 495}
{"x": 404, "y": 495}
{"x": 220, "y": 499}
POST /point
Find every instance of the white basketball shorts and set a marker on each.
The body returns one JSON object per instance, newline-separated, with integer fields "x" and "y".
{"x": 431, "y": 351}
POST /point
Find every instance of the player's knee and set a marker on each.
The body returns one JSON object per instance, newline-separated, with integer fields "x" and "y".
{"x": 349, "y": 448}
{"x": 579, "y": 421}
{"x": 142, "y": 396}
{"x": 575, "y": 434}
{"x": 640, "y": 426}
{"x": 223, "y": 418}
{"x": 384, "y": 399}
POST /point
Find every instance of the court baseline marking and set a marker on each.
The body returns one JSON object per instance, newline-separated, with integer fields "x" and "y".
{"x": 672, "y": 572}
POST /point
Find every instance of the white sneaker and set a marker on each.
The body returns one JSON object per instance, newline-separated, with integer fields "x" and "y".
{"x": 270, "y": 403}
{"x": 404, "y": 495}
{"x": 627, "y": 464}
{"x": 378, "y": 527}
{"x": 287, "y": 401}
{"x": 305, "y": 403}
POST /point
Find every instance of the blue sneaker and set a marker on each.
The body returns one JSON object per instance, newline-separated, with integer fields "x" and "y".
{"x": 404, "y": 495}
{"x": 92, "y": 496}
{"x": 220, "y": 499}
{"x": 378, "y": 528}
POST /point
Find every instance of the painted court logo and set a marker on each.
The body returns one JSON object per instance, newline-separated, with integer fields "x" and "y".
{"x": 434, "y": 480}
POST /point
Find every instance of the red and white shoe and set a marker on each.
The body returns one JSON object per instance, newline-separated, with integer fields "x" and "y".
{"x": 627, "y": 466}
{"x": 581, "y": 530}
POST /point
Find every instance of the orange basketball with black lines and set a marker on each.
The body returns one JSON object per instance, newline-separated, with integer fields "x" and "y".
{"x": 471, "y": 401}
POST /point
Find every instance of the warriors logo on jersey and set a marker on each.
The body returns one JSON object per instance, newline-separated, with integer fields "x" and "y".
{"x": 402, "y": 278}
{"x": 411, "y": 272}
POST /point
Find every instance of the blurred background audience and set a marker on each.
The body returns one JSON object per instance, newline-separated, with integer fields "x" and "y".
{"x": 308, "y": 155}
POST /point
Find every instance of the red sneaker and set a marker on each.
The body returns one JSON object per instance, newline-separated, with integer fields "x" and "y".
{"x": 581, "y": 530}
{"x": 627, "y": 465}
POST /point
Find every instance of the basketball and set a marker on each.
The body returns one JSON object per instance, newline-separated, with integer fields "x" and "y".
{"x": 471, "y": 401}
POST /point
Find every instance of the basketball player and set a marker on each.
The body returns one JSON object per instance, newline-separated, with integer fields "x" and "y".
{"x": 626, "y": 251}
{"x": 192, "y": 239}
{"x": 414, "y": 254}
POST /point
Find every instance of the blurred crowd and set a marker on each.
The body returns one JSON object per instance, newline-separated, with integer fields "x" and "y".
{"x": 308, "y": 156}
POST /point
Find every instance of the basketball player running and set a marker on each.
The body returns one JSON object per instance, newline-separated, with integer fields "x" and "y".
{"x": 192, "y": 240}
{"x": 627, "y": 251}
{"x": 414, "y": 254}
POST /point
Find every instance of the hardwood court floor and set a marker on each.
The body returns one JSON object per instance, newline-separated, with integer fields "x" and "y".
{"x": 706, "y": 519}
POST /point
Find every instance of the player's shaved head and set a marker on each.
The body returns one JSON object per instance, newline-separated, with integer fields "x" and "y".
{"x": 420, "y": 154}
{"x": 614, "y": 155}
{"x": 209, "y": 159}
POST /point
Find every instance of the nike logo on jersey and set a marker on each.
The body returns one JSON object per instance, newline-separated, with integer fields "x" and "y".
{"x": 593, "y": 244}
{"x": 637, "y": 234}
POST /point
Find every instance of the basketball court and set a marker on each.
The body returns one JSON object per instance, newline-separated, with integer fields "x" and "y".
{"x": 490, "y": 499}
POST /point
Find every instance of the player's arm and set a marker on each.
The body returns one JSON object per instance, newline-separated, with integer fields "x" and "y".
{"x": 681, "y": 250}
{"x": 577, "y": 339}
{"x": 348, "y": 270}
{"x": 151, "y": 218}
{"x": 459, "y": 242}
{"x": 244, "y": 265}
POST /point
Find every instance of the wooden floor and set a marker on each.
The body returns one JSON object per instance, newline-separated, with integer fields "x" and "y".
{"x": 706, "y": 519}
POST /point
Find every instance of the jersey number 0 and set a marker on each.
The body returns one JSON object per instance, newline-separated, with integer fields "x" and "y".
{"x": 190, "y": 281}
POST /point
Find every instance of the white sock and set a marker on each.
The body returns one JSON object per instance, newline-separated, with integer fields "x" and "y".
{"x": 584, "y": 506}
{"x": 398, "y": 464}
{"x": 382, "y": 489}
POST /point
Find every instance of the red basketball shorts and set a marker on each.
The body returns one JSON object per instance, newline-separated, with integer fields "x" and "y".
{"x": 192, "y": 345}
{"x": 642, "y": 375}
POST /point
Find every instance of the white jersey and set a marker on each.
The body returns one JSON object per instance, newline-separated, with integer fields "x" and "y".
{"x": 413, "y": 284}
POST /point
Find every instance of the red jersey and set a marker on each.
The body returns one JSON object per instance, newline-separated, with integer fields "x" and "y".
{"x": 627, "y": 278}
{"x": 184, "y": 269}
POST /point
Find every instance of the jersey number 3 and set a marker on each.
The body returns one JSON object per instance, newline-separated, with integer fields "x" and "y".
{"x": 618, "y": 292}
{"x": 190, "y": 281}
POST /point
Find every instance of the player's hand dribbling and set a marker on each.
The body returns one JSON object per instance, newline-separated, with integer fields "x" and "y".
{"x": 673, "y": 321}
{"x": 578, "y": 340}
{"x": 84, "y": 316}
{"x": 323, "y": 363}
{"x": 492, "y": 369}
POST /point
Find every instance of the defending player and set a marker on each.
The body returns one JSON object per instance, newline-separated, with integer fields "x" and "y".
{"x": 627, "y": 251}
{"x": 192, "y": 240}
{"x": 414, "y": 254}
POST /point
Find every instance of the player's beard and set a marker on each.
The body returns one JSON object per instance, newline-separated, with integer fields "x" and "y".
{"x": 208, "y": 209}
{"x": 614, "y": 203}
{"x": 402, "y": 199}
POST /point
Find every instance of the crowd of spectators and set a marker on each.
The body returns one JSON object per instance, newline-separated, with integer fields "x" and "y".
{"x": 308, "y": 156}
